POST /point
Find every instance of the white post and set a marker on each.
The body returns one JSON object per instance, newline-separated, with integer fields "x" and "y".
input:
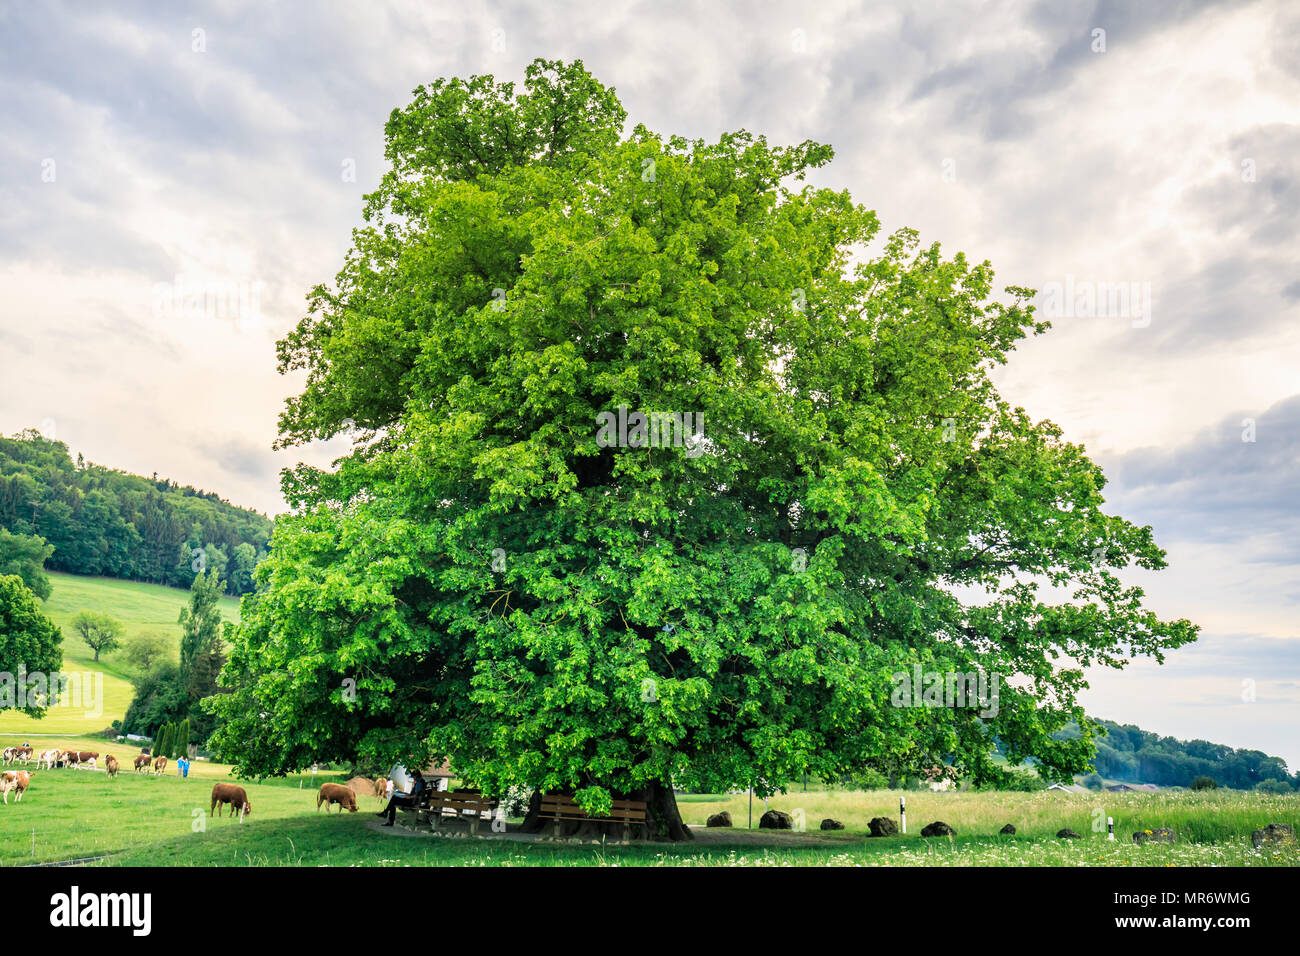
{"x": 902, "y": 811}
{"x": 1110, "y": 828}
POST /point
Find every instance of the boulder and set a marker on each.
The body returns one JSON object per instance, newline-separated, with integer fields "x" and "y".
{"x": 1008, "y": 830}
{"x": 938, "y": 828}
{"x": 882, "y": 827}
{"x": 776, "y": 820}
{"x": 722, "y": 819}
{"x": 1067, "y": 834}
{"x": 1275, "y": 834}
{"x": 1158, "y": 835}
{"x": 829, "y": 824}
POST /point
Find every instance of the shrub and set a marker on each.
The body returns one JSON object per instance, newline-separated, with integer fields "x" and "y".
{"x": 1204, "y": 783}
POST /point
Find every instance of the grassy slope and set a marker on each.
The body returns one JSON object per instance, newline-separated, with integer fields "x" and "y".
{"x": 140, "y": 607}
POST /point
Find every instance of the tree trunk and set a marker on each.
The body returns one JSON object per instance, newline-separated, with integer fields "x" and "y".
{"x": 663, "y": 822}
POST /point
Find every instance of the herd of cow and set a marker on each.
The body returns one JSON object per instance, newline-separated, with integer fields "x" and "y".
{"x": 17, "y": 781}
{"x": 223, "y": 794}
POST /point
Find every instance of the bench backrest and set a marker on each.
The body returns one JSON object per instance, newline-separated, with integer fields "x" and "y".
{"x": 558, "y": 804}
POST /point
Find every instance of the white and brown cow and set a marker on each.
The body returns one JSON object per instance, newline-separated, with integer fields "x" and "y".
{"x": 47, "y": 759}
{"x": 14, "y": 780}
{"x": 160, "y": 765}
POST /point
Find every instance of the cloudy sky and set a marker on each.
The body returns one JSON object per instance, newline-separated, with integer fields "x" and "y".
{"x": 1080, "y": 147}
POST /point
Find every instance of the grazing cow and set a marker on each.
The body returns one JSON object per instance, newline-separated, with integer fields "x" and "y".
{"x": 110, "y": 765}
{"x": 25, "y": 754}
{"x": 87, "y": 758}
{"x": 332, "y": 793}
{"x": 381, "y": 788}
{"x": 14, "y": 780}
{"x": 229, "y": 793}
{"x": 11, "y": 754}
{"x": 48, "y": 759}
{"x": 142, "y": 762}
{"x": 160, "y": 765}
{"x": 68, "y": 758}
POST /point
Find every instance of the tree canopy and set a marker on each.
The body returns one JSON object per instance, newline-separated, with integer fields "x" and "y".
{"x": 101, "y": 632}
{"x": 486, "y": 577}
{"x": 31, "y": 644}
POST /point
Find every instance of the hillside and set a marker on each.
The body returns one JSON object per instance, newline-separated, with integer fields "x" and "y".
{"x": 104, "y": 522}
{"x": 141, "y": 607}
{"x": 1130, "y": 754}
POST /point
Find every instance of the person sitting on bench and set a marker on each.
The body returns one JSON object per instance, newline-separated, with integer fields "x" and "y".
{"x": 411, "y": 799}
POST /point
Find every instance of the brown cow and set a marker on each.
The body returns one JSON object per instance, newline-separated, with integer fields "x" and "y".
{"x": 14, "y": 780}
{"x": 110, "y": 765}
{"x": 160, "y": 765}
{"x": 223, "y": 793}
{"x": 68, "y": 758}
{"x": 87, "y": 758}
{"x": 143, "y": 761}
{"x": 332, "y": 793}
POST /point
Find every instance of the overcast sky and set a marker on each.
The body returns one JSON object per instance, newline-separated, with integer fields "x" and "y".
{"x": 1076, "y": 146}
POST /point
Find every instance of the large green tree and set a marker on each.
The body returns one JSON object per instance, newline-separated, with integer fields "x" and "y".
{"x": 30, "y": 645}
{"x": 495, "y": 576}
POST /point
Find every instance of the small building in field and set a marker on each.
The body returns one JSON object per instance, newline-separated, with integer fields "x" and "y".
{"x": 438, "y": 776}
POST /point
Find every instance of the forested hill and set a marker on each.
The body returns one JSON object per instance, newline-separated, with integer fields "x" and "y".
{"x": 106, "y": 522}
{"x": 1133, "y": 755}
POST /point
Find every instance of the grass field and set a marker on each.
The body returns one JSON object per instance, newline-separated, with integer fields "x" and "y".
{"x": 141, "y": 608}
{"x": 143, "y": 820}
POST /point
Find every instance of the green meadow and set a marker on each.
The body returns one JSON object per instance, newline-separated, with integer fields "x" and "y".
{"x": 142, "y": 608}
{"x": 142, "y": 820}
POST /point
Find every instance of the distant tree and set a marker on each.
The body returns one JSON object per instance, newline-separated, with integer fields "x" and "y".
{"x": 159, "y": 697}
{"x": 25, "y": 555}
{"x": 101, "y": 632}
{"x": 145, "y": 651}
{"x": 163, "y": 741}
{"x": 182, "y": 742}
{"x": 242, "y": 563}
{"x": 29, "y": 642}
{"x": 201, "y": 651}
{"x": 1205, "y": 783}
{"x": 1274, "y": 787}
{"x": 1093, "y": 781}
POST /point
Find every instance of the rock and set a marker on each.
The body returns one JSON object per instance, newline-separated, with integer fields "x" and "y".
{"x": 829, "y": 824}
{"x": 722, "y": 819}
{"x": 1158, "y": 835}
{"x": 1008, "y": 830}
{"x": 1068, "y": 834}
{"x": 1274, "y": 834}
{"x": 882, "y": 827}
{"x": 938, "y": 828}
{"x": 776, "y": 820}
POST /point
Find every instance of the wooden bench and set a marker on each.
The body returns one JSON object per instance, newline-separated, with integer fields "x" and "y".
{"x": 438, "y": 802}
{"x": 562, "y": 809}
